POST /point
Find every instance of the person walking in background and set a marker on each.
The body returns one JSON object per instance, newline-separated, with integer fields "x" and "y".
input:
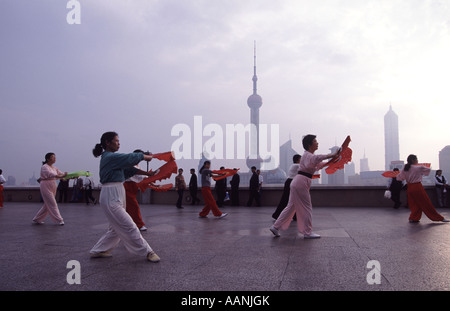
{"x": 180, "y": 186}
{"x": 418, "y": 199}
{"x": 234, "y": 183}
{"x": 48, "y": 187}
{"x": 441, "y": 188}
{"x": 293, "y": 171}
{"x": 131, "y": 191}
{"x": 253, "y": 188}
{"x": 300, "y": 197}
{"x": 115, "y": 168}
{"x": 88, "y": 185}
{"x": 210, "y": 203}
{"x": 2, "y": 182}
{"x": 77, "y": 188}
{"x": 221, "y": 190}
{"x": 395, "y": 187}
{"x": 63, "y": 188}
{"x": 193, "y": 187}
{"x": 260, "y": 183}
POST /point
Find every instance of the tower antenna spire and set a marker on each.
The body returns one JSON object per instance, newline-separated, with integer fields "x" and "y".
{"x": 255, "y": 78}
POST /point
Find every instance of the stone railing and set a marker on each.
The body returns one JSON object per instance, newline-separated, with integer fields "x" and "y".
{"x": 322, "y": 196}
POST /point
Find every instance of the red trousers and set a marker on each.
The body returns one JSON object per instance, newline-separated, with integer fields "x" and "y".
{"x": 210, "y": 203}
{"x": 419, "y": 202}
{"x": 132, "y": 205}
{"x": 1, "y": 196}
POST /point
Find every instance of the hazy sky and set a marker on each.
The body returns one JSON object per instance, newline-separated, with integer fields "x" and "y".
{"x": 139, "y": 67}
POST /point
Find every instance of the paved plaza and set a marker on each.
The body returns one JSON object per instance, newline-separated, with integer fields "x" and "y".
{"x": 234, "y": 253}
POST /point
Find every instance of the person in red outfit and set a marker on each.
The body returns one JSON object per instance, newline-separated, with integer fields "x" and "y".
{"x": 2, "y": 182}
{"x": 418, "y": 199}
{"x": 132, "y": 205}
{"x": 210, "y": 203}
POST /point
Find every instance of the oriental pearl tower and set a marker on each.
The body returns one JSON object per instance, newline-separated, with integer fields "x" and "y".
{"x": 254, "y": 102}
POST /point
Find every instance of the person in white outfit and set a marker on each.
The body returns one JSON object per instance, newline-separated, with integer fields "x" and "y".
{"x": 115, "y": 168}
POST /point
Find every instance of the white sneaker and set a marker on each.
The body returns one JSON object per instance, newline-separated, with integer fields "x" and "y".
{"x": 445, "y": 220}
{"x": 143, "y": 228}
{"x": 153, "y": 257}
{"x": 274, "y": 231}
{"x": 312, "y": 236}
{"x": 35, "y": 222}
{"x": 222, "y": 216}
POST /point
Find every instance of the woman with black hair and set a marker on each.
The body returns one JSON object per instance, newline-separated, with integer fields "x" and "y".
{"x": 115, "y": 168}
{"x": 418, "y": 199}
{"x": 48, "y": 188}
{"x": 210, "y": 203}
{"x": 395, "y": 187}
{"x": 299, "y": 197}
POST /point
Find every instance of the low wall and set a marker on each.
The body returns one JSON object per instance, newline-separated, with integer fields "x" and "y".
{"x": 322, "y": 196}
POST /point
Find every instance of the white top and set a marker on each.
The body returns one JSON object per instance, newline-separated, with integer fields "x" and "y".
{"x": 261, "y": 179}
{"x": 310, "y": 163}
{"x": 440, "y": 180}
{"x": 88, "y": 181}
{"x": 49, "y": 172}
{"x": 2, "y": 180}
{"x": 136, "y": 178}
{"x": 414, "y": 175}
{"x": 293, "y": 170}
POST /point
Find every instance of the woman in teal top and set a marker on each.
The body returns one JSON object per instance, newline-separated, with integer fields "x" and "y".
{"x": 114, "y": 169}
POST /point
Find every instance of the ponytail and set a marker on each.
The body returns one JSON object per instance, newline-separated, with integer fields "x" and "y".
{"x": 200, "y": 171}
{"x": 410, "y": 160}
{"x": 99, "y": 148}
{"x": 47, "y": 157}
{"x": 97, "y": 151}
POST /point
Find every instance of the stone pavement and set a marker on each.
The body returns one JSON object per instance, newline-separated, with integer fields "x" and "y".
{"x": 234, "y": 253}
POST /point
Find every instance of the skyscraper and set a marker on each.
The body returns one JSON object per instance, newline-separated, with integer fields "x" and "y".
{"x": 444, "y": 160}
{"x": 391, "y": 141}
{"x": 286, "y": 155}
{"x": 254, "y": 102}
{"x": 364, "y": 164}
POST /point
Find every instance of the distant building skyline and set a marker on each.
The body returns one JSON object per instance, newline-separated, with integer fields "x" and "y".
{"x": 364, "y": 164}
{"x": 391, "y": 138}
{"x": 444, "y": 160}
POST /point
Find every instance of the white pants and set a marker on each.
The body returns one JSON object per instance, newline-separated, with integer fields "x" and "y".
{"x": 121, "y": 225}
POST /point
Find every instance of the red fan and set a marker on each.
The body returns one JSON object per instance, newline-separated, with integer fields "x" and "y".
{"x": 392, "y": 174}
{"x": 344, "y": 157}
{"x": 227, "y": 172}
{"x": 162, "y": 173}
{"x": 160, "y": 188}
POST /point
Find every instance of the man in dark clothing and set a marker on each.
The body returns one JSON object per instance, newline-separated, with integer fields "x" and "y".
{"x": 193, "y": 187}
{"x": 63, "y": 188}
{"x": 253, "y": 188}
{"x": 396, "y": 187}
{"x": 235, "y": 180}
{"x": 221, "y": 190}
